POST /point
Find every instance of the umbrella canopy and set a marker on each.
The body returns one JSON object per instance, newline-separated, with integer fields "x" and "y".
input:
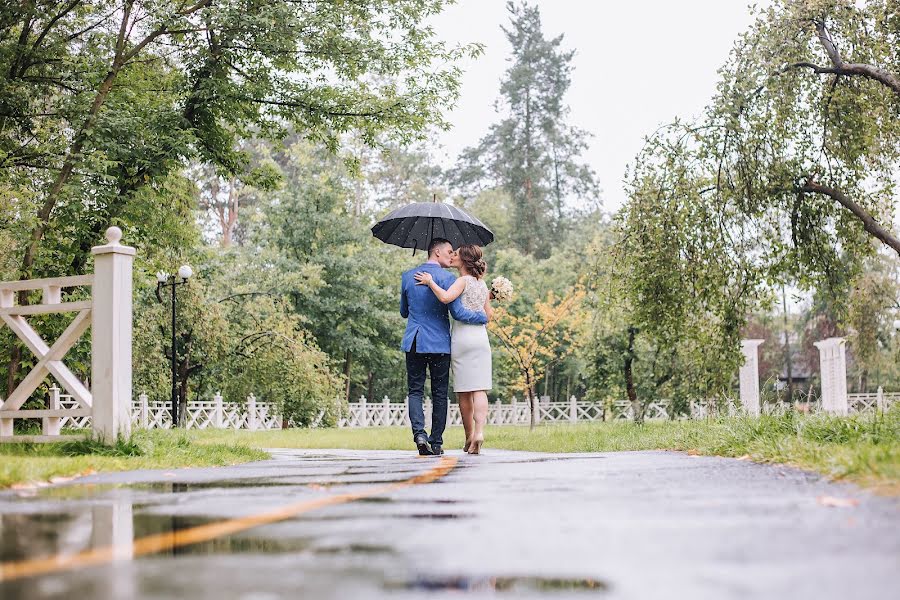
{"x": 415, "y": 225}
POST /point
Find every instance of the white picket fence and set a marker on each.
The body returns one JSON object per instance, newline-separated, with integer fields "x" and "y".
{"x": 255, "y": 415}
{"x": 516, "y": 412}
{"x": 201, "y": 414}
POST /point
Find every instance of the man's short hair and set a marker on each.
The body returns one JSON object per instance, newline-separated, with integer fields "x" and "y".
{"x": 435, "y": 242}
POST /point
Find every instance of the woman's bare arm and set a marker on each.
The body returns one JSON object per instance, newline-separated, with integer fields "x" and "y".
{"x": 488, "y": 309}
{"x": 446, "y": 296}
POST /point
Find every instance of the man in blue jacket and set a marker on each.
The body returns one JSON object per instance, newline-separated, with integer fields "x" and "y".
{"x": 427, "y": 343}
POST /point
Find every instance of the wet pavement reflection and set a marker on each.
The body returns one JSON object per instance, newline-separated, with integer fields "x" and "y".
{"x": 514, "y": 524}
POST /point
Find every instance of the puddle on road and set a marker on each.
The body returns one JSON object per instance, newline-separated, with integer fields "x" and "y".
{"x": 499, "y": 584}
{"x": 354, "y": 549}
{"x": 88, "y": 491}
{"x": 386, "y": 516}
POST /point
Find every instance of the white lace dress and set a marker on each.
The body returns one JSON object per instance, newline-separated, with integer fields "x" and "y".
{"x": 470, "y": 350}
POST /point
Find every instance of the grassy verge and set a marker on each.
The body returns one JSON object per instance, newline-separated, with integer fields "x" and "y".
{"x": 864, "y": 449}
{"x": 21, "y": 463}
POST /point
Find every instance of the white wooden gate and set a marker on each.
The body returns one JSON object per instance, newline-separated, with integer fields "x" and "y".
{"x": 108, "y": 315}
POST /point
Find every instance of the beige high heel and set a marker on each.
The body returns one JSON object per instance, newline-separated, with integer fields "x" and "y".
{"x": 468, "y": 445}
{"x": 475, "y": 447}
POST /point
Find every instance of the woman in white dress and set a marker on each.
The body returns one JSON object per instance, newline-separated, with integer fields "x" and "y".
{"x": 470, "y": 350}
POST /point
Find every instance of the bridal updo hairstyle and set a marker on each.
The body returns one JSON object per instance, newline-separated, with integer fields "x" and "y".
{"x": 471, "y": 256}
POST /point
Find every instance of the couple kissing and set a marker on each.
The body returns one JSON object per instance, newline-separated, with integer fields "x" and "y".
{"x": 429, "y": 294}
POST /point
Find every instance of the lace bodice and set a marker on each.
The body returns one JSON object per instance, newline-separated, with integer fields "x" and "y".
{"x": 475, "y": 294}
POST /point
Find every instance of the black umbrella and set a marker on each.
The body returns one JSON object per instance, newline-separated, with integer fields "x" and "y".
{"x": 415, "y": 225}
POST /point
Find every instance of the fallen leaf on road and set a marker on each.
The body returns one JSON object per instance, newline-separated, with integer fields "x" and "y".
{"x": 317, "y": 486}
{"x": 23, "y": 486}
{"x": 838, "y": 502}
{"x": 60, "y": 479}
{"x": 169, "y": 475}
{"x": 744, "y": 457}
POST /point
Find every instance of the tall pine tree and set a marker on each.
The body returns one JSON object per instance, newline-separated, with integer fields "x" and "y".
{"x": 532, "y": 152}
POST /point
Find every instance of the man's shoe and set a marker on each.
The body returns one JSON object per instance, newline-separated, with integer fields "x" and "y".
{"x": 437, "y": 449}
{"x": 421, "y": 442}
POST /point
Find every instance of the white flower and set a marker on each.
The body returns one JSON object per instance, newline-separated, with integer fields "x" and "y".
{"x": 502, "y": 288}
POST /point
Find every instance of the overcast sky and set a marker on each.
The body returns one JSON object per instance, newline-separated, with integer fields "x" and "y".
{"x": 638, "y": 64}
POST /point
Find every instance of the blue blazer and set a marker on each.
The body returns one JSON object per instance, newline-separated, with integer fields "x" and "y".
{"x": 427, "y": 321}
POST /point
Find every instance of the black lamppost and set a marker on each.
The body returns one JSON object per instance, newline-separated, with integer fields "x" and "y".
{"x": 163, "y": 280}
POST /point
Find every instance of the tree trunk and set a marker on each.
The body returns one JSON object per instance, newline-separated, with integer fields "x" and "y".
{"x": 636, "y": 407}
{"x": 348, "y": 360}
{"x": 15, "y": 357}
{"x": 371, "y": 386}
{"x": 532, "y": 400}
{"x": 869, "y": 223}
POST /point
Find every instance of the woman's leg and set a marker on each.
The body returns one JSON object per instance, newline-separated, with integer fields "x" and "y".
{"x": 465, "y": 409}
{"x": 480, "y": 410}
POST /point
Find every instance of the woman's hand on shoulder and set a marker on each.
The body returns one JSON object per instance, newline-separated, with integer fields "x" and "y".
{"x": 423, "y": 278}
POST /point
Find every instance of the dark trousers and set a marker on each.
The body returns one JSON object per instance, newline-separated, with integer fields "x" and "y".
{"x": 439, "y": 366}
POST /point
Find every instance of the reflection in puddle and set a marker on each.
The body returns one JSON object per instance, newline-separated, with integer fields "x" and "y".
{"x": 499, "y": 584}
{"x": 151, "y": 524}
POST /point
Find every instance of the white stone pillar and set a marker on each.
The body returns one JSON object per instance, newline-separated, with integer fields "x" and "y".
{"x": 429, "y": 410}
{"x": 497, "y": 417}
{"x": 833, "y": 365}
{"x": 111, "y": 338}
{"x": 879, "y": 399}
{"x": 386, "y": 411}
{"x": 573, "y": 409}
{"x": 748, "y": 376}
{"x": 7, "y": 300}
{"x": 515, "y": 411}
{"x": 363, "y": 413}
{"x": 252, "y": 424}
{"x": 145, "y": 410}
{"x": 218, "y": 411}
{"x": 52, "y": 425}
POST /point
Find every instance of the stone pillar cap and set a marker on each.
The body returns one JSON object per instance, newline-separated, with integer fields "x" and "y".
{"x": 113, "y": 236}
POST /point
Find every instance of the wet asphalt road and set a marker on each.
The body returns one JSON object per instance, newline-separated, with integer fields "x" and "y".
{"x": 504, "y": 524}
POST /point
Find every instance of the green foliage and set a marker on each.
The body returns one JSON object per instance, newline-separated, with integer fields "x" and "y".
{"x": 122, "y": 447}
{"x": 276, "y": 360}
{"x": 778, "y": 130}
{"x": 103, "y": 104}
{"x": 532, "y": 154}
{"x": 785, "y": 179}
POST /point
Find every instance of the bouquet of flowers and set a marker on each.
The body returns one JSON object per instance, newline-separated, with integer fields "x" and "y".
{"x": 501, "y": 288}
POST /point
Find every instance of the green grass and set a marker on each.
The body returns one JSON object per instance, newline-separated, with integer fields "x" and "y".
{"x": 158, "y": 449}
{"x": 863, "y": 449}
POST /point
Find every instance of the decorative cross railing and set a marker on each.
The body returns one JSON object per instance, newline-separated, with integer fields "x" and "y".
{"x": 201, "y": 414}
{"x": 386, "y": 413}
{"x": 108, "y": 314}
{"x": 254, "y": 414}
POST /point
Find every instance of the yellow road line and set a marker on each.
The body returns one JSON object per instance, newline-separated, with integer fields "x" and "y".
{"x": 202, "y": 533}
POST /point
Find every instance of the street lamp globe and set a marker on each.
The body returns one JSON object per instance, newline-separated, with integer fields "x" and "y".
{"x": 185, "y": 271}
{"x": 162, "y": 276}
